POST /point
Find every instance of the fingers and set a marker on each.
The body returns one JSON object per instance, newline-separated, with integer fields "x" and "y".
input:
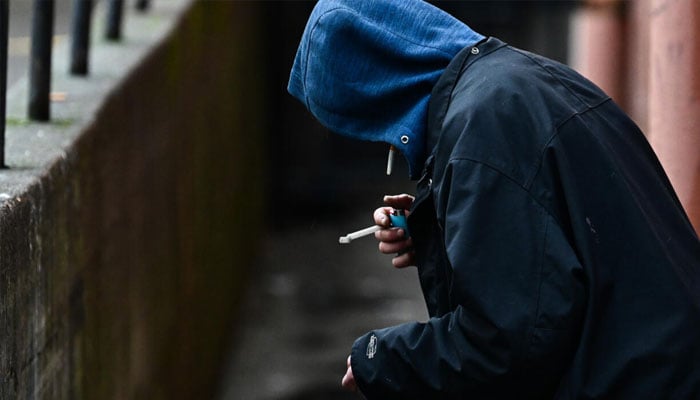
{"x": 403, "y": 260}
{"x": 391, "y": 235}
{"x": 394, "y": 246}
{"x": 403, "y": 201}
{"x": 394, "y": 241}
{"x": 348, "y": 382}
{"x": 381, "y": 216}
{"x": 403, "y": 250}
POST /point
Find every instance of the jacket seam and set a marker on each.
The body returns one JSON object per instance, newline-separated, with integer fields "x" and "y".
{"x": 508, "y": 177}
{"x": 534, "y": 324}
{"x": 555, "y": 135}
{"x": 587, "y": 107}
{"x": 537, "y": 165}
{"x": 564, "y": 85}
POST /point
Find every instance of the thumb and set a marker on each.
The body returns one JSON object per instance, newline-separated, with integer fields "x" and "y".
{"x": 403, "y": 201}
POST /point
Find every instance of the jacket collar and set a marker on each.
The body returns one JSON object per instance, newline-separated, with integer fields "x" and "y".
{"x": 442, "y": 91}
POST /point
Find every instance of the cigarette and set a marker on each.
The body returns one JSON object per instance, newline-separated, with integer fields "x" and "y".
{"x": 390, "y": 160}
{"x": 358, "y": 234}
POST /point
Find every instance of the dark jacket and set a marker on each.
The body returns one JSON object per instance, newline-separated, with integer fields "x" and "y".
{"x": 555, "y": 258}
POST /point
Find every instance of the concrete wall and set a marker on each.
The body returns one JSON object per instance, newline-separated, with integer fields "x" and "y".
{"x": 127, "y": 225}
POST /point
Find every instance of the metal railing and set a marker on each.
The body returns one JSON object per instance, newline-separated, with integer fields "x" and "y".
{"x": 40, "y": 61}
{"x": 39, "y": 107}
{"x": 113, "y": 29}
{"x": 4, "y": 37}
{"x": 80, "y": 37}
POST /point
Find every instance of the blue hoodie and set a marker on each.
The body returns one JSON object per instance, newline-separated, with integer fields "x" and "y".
{"x": 365, "y": 68}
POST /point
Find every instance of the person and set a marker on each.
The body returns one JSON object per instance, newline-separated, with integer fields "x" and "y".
{"x": 554, "y": 257}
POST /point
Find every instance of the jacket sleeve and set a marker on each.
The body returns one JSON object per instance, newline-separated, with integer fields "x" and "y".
{"x": 517, "y": 297}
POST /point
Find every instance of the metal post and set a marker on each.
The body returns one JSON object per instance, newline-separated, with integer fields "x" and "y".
{"x": 142, "y": 5}
{"x": 40, "y": 61}
{"x": 4, "y": 32}
{"x": 114, "y": 19}
{"x": 80, "y": 33}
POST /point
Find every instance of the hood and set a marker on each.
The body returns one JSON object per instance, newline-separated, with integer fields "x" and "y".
{"x": 365, "y": 68}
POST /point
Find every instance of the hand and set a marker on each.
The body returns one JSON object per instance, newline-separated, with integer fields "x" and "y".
{"x": 348, "y": 382}
{"x": 393, "y": 241}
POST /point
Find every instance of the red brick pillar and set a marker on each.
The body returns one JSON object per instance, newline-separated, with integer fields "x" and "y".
{"x": 674, "y": 96}
{"x": 597, "y": 44}
{"x": 636, "y": 76}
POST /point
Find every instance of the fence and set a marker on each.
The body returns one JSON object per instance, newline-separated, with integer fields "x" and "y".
{"x": 128, "y": 222}
{"x": 39, "y": 104}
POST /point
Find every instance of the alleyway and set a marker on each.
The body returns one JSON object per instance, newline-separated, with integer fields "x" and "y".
{"x": 311, "y": 298}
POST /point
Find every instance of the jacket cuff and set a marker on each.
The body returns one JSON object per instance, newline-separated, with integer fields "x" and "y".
{"x": 361, "y": 359}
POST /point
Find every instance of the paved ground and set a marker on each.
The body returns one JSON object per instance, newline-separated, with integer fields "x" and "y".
{"x": 311, "y": 299}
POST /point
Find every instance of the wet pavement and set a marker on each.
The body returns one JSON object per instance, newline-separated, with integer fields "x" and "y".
{"x": 310, "y": 299}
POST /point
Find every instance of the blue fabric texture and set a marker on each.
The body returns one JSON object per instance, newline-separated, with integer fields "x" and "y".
{"x": 365, "y": 68}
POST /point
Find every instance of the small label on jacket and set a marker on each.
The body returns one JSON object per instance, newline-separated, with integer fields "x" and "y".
{"x": 372, "y": 347}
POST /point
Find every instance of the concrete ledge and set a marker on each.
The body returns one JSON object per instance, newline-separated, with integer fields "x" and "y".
{"x": 127, "y": 224}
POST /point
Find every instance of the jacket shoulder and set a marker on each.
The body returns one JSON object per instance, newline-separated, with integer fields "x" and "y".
{"x": 507, "y": 105}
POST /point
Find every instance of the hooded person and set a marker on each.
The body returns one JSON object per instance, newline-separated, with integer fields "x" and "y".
{"x": 554, "y": 256}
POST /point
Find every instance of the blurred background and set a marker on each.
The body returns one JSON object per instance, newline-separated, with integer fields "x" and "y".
{"x": 323, "y": 185}
{"x": 231, "y": 283}
{"x": 313, "y": 166}
{"x": 318, "y": 296}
